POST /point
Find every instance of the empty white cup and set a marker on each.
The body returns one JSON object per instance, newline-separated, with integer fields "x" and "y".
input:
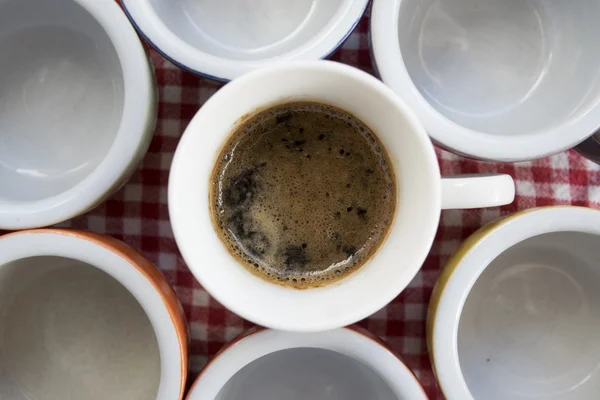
{"x": 77, "y": 107}
{"x": 504, "y": 80}
{"x": 223, "y": 39}
{"x": 343, "y": 364}
{"x": 516, "y": 312}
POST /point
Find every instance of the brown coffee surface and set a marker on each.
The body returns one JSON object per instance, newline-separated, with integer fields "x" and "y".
{"x": 303, "y": 194}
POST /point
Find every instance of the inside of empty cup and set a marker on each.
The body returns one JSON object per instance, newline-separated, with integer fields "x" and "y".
{"x": 61, "y": 97}
{"x": 529, "y": 328}
{"x": 503, "y": 67}
{"x": 248, "y": 29}
{"x": 306, "y": 373}
{"x": 70, "y": 331}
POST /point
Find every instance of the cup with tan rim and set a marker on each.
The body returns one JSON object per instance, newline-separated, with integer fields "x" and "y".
{"x": 515, "y": 314}
{"x": 421, "y": 194}
{"x": 84, "y": 316}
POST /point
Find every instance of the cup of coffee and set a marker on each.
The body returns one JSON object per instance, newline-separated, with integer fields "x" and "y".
{"x": 341, "y": 364}
{"x": 514, "y": 314}
{"x": 84, "y": 316}
{"x": 306, "y": 196}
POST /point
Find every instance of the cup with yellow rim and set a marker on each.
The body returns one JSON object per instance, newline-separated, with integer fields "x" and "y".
{"x": 516, "y": 311}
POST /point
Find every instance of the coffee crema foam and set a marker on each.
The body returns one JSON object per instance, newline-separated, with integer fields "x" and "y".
{"x": 303, "y": 194}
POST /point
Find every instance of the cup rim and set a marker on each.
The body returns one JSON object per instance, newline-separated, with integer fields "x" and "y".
{"x": 131, "y": 141}
{"x": 350, "y": 341}
{"x": 292, "y": 309}
{"x": 467, "y": 264}
{"x": 222, "y": 69}
{"x": 387, "y": 56}
{"x": 134, "y": 272}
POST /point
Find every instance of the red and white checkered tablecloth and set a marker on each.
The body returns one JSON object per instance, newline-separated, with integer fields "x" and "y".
{"x": 138, "y": 215}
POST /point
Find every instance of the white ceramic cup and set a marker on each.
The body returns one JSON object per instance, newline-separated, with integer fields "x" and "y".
{"x": 421, "y": 196}
{"x": 342, "y": 364}
{"x": 77, "y": 107}
{"x": 84, "y": 316}
{"x": 516, "y": 312}
{"x": 223, "y": 39}
{"x": 505, "y": 80}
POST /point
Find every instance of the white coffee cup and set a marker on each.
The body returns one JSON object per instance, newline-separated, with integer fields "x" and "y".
{"x": 421, "y": 196}
{"x": 516, "y": 312}
{"x": 505, "y": 80}
{"x": 225, "y": 39}
{"x": 342, "y": 364}
{"x": 78, "y": 104}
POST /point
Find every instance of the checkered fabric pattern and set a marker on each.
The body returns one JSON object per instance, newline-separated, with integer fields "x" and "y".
{"x": 138, "y": 215}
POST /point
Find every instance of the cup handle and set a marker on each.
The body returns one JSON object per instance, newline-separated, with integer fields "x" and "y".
{"x": 477, "y": 191}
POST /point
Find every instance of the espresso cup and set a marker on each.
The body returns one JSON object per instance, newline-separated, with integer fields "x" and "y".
{"x": 515, "y": 314}
{"x": 84, "y": 316}
{"x": 342, "y": 364}
{"x": 222, "y": 40}
{"x": 421, "y": 196}
{"x": 78, "y": 104}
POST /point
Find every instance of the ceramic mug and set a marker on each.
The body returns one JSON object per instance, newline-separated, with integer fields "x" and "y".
{"x": 495, "y": 80}
{"x": 225, "y": 39}
{"x": 78, "y": 105}
{"x": 515, "y": 313}
{"x": 84, "y": 316}
{"x": 421, "y": 196}
{"x": 342, "y": 364}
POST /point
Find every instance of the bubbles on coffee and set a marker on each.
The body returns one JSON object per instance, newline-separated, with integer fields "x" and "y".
{"x": 303, "y": 194}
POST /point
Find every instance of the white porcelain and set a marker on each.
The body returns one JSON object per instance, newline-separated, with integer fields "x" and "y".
{"x": 501, "y": 80}
{"x": 79, "y": 319}
{"x": 77, "y": 107}
{"x": 343, "y": 364}
{"x": 421, "y": 196}
{"x": 223, "y": 39}
{"x": 519, "y": 316}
